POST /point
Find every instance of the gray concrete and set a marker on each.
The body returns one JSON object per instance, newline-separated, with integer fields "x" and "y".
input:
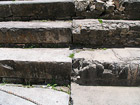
{"x": 109, "y": 33}
{"x": 47, "y": 64}
{"x": 97, "y": 95}
{"x": 40, "y": 95}
{"x": 130, "y": 55}
{"x": 58, "y": 32}
{"x": 107, "y": 67}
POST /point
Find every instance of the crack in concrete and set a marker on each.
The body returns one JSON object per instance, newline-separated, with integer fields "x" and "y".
{"x": 25, "y": 98}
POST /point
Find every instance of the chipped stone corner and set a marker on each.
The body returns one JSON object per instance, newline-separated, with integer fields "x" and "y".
{"x": 99, "y": 8}
{"x": 87, "y": 72}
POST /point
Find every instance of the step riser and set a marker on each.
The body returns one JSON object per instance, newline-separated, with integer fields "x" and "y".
{"x": 64, "y": 9}
{"x": 111, "y": 67}
{"x": 35, "y": 72}
{"x": 127, "y": 9}
{"x": 36, "y": 10}
{"x": 35, "y": 66}
{"x": 118, "y": 74}
{"x": 106, "y": 34}
{"x": 47, "y": 33}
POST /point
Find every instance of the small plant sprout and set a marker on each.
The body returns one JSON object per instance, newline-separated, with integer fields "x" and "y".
{"x": 100, "y": 21}
{"x": 71, "y": 55}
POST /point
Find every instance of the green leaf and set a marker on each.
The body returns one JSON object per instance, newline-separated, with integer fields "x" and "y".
{"x": 100, "y": 21}
{"x": 71, "y": 55}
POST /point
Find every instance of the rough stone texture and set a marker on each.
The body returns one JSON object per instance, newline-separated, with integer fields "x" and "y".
{"x": 110, "y": 33}
{"x": 69, "y": 9}
{"x": 40, "y": 95}
{"x": 107, "y": 67}
{"x": 35, "y": 65}
{"x": 131, "y": 9}
{"x": 35, "y": 32}
{"x": 103, "y": 95}
{"x": 108, "y": 9}
{"x": 37, "y": 9}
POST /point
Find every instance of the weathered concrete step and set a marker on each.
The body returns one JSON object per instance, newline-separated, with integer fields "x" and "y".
{"x": 40, "y": 96}
{"x": 107, "y": 67}
{"x": 35, "y": 65}
{"x": 36, "y": 9}
{"x": 100, "y": 95}
{"x": 58, "y": 32}
{"x": 106, "y": 33}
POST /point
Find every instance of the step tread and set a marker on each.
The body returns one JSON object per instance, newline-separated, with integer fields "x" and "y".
{"x": 104, "y": 95}
{"x": 113, "y": 55}
{"x": 33, "y": 1}
{"x": 36, "y": 24}
{"x": 36, "y": 54}
{"x": 41, "y": 96}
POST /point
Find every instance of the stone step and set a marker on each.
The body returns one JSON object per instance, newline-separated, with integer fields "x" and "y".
{"x": 87, "y": 32}
{"x": 104, "y": 95}
{"x": 50, "y": 32}
{"x": 36, "y": 10}
{"x": 25, "y": 10}
{"x": 34, "y": 66}
{"x": 111, "y": 67}
{"x": 32, "y": 96}
{"x": 106, "y": 33}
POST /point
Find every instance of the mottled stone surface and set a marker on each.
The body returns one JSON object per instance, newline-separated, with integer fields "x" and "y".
{"x": 107, "y": 67}
{"x": 109, "y": 33}
{"x": 35, "y": 32}
{"x": 37, "y": 9}
{"x": 35, "y": 65}
{"x": 104, "y": 95}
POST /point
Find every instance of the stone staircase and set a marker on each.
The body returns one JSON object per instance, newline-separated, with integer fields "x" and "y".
{"x": 83, "y": 43}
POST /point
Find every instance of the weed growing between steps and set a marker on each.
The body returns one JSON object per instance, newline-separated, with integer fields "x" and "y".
{"x": 71, "y": 55}
{"x": 65, "y": 88}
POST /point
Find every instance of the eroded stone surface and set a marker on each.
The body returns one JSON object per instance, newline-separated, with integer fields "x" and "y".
{"x": 35, "y": 32}
{"x": 107, "y": 67}
{"x": 109, "y": 33}
{"x": 108, "y": 9}
{"x": 35, "y": 65}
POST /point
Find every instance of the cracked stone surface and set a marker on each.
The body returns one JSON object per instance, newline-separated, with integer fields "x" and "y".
{"x": 40, "y": 95}
{"x": 35, "y": 65}
{"x": 109, "y": 33}
{"x": 107, "y": 67}
{"x": 104, "y": 95}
